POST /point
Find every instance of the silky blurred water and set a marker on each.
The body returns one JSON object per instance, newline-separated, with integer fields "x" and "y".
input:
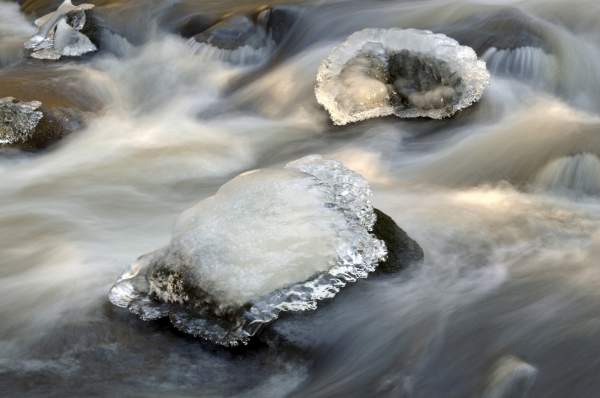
{"x": 511, "y": 247}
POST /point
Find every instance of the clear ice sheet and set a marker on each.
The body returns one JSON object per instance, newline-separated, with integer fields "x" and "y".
{"x": 268, "y": 241}
{"x": 56, "y": 38}
{"x": 18, "y": 120}
{"x": 351, "y": 93}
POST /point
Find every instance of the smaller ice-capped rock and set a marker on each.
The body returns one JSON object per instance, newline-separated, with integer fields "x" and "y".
{"x": 404, "y": 72}
{"x": 268, "y": 241}
{"x": 59, "y": 33}
{"x": 18, "y": 120}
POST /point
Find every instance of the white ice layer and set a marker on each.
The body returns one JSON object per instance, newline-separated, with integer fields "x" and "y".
{"x": 353, "y": 82}
{"x": 268, "y": 241}
{"x": 55, "y": 37}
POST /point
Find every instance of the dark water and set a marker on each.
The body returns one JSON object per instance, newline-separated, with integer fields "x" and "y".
{"x": 511, "y": 238}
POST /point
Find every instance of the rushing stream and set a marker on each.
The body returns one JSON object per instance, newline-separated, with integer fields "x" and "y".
{"x": 503, "y": 198}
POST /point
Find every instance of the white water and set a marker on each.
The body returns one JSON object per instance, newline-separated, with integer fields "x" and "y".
{"x": 510, "y": 270}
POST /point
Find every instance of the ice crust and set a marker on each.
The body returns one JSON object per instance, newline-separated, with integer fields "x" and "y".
{"x": 59, "y": 33}
{"x": 268, "y": 241}
{"x": 18, "y": 120}
{"x": 404, "y": 72}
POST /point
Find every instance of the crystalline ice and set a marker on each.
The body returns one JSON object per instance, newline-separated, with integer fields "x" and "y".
{"x": 18, "y": 120}
{"x": 268, "y": 241}
{"x": 59, "y": 33}
{"x": 408, "y": 73}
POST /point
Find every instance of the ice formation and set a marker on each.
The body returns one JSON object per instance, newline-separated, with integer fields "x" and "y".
{"x": 268, "y": 241}
{"x": 59, "y": 33}
{"x": 408, "y": 73}
{"x": 18, "y": 120}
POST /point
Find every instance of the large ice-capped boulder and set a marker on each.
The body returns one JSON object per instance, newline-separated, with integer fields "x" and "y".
{"x": 59, "y": 33}
{"x": 404, "y": 72}
{"x": 268, "y": 241}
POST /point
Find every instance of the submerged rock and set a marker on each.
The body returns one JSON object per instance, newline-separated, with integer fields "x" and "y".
{"x": 59, "y": 33}
{"x": 29, "y": 126}
{"x": 510, "y": 378}
{"x": 268, "y": 241}
{"x": 246, "y": 39}
{"x": 402, "y": 250}
{"x": 408, "y": 73}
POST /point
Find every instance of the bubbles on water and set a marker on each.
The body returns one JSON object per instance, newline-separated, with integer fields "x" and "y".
{"x": 407, "y": 73}
{"x": 267, "y": 241}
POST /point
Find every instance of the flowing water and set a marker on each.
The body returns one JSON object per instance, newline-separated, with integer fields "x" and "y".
{"x": 502, "y": 198}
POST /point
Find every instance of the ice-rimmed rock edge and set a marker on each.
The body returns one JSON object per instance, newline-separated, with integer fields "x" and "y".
{"x": 461, "y": 59}
{"x": 350, "y": 194}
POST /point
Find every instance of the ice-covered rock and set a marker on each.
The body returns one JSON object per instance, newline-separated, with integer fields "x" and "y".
{"x": 408, "y": 73}
{"x": 31, "y": 127}
{"x": 59, "y": 33}
{"x": 18, "y": 120}
{"x": 268, "y": 241}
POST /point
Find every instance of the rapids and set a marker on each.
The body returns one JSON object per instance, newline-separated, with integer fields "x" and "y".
{"x": 503, "y": 198}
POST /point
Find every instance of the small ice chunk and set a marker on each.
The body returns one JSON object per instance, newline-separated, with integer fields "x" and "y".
{"x": 268, "y": 241}
{"x": 18, "y": 120}
{"x": 408, "y": 73}
{"x": 59, "y": 33}
{"x": 510, "y": 378}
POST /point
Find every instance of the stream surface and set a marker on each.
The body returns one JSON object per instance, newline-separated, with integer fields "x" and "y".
{"x": 503, "y": 198}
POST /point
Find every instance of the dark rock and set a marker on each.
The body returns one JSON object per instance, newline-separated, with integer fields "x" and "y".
{"x": 402, "y": 249}
{"x": 254, "y": 29}
{"x": 280, "y": 21}
{"x": 415, "y": 76}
